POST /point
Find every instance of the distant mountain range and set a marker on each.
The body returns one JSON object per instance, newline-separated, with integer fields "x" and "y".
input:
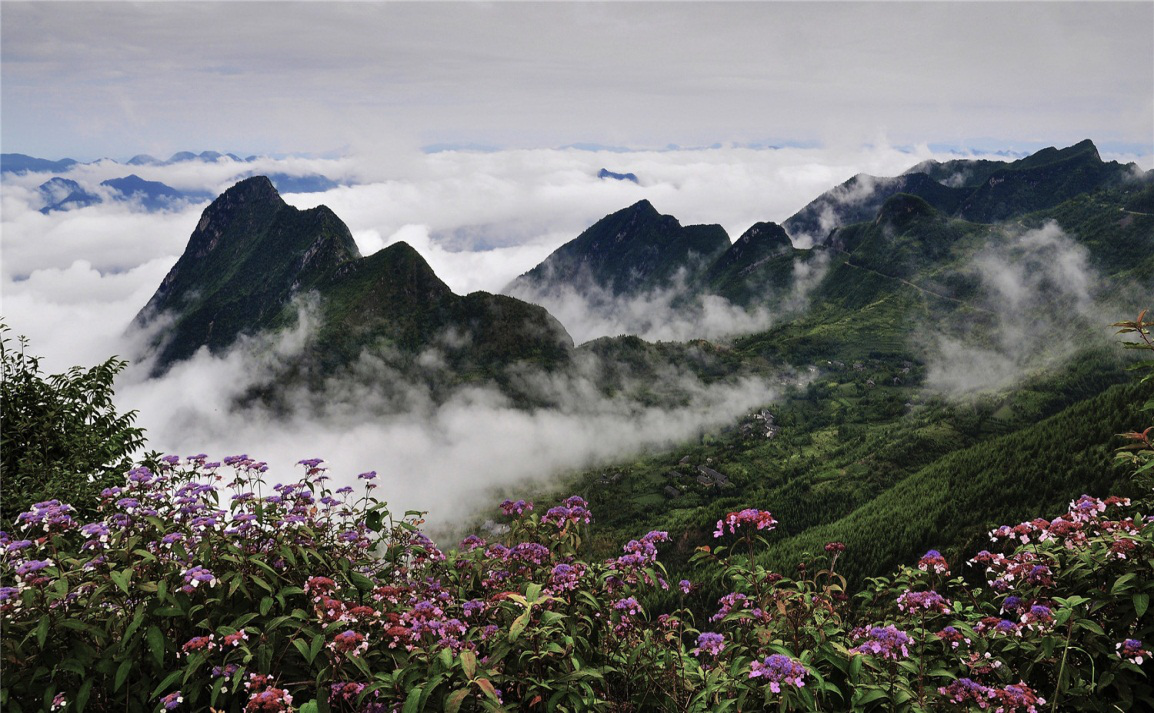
{"x": 61, "y": 193}
{"x": 981, "y": 191}
{"x": 66, "y": 194}
{"x": 898, "y": 250}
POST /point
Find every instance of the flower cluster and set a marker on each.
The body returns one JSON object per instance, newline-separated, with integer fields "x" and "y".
{"x": 911, "y": 602}
{"x": 1132, "y": 651}
{"x": 884, "y": 641}
{"x": 759, "y": 519}
{"x": 777, "y": 669}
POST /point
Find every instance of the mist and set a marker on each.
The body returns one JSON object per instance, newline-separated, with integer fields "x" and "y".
{"x": 445, "y": 455}
{"x": 1038, "y": 285}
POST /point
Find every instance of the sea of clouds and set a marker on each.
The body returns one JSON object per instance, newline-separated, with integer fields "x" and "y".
{"x": 72, "y": 282}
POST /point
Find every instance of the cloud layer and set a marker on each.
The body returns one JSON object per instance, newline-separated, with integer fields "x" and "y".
{"x": 1038, "y": 287}
{"x": 131, "y": 77}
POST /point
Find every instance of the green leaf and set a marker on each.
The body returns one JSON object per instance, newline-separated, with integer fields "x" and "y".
{"x": 303, "y": 648}
{"x": 532, "y": 592}
{"x": 519, "y": 625}
{"x": 121, "y": 674}
{"x": 83, "y": 694}
{"x": 318, "y": 644}
{"x": 455, "y": 699}
{"x": 870, "y": 697}
{"x": 42, "y": 632}
{"x": 1141, "y": 604}
{"x": 469, "y": 663}
{"x": 413, "y": 701}
{"x": 361, "y": 582}
{"x": 1122, "y": 583}
{"x": 265, "y": 605}
{"x": 156, "y": 644}
{"x": 121, "y": 578}
{"x": 1090, "y": 625}
{"x": 132, "y": 627}
{"x": 310, "y": 707}
{"x": 163, "y": 685}
{"x": 487, "y": 686}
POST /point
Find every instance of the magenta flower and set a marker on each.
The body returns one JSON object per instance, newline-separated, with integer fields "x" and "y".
{"x": 172, "y": 701}
{"x": 760, "y": 519}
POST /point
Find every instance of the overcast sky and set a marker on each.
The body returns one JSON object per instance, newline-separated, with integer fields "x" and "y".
{"x": 113, "y": 79}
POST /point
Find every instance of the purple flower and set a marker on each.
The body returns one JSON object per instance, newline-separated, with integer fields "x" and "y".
{"x": 33, "y": 566}
{"x": 195, "y": 576}
{"x": 779, "y": 669}
{"x": 910, "y": 602}
{"x": 565, "y": 577}
{"x": 709, "y": 643}
{"x": 731, "y": 601}
{"x": 510, "y": 507}
{"x": 965, "y": 690}
{"x": 368, "y": 476}
{"x": 1131, "y": 649}
{"x": 628, "y": 605}
{"x": 933, "y": 561}
{"x": 685, "y": 585}
{"x": 18, "y": 545}
{"x": 886, "y": 642}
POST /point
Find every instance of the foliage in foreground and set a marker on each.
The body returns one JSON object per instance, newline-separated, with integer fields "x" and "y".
{"x": 62, "y": 435}
{"x": 201, "y": 587}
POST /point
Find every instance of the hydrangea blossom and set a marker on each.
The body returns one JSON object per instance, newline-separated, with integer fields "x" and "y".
{"x": 885, "y": 641}
{"x": 933, "y": 561}
{"x": 778, "y": 669}
{"x": 911, "y": 602}
{"x": 709, "y": 643}
{"x": 1132, "y": 651}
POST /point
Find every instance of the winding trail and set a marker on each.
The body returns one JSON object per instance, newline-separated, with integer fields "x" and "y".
{"x": 916, "y": 287}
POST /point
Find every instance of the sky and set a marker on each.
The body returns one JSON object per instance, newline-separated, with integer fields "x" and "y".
{"x": 475, "y": 133}
{"x": 88, "y": 80}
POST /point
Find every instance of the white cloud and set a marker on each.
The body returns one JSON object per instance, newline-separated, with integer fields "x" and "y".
{"x": 1037, "y": 285}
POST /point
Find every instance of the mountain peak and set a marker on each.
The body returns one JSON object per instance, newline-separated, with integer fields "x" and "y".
{"x": 902, "y": 208}
{"x": 631, "y": 251}
{"x": 249, "y": 254}
{"x": 643, "y": 207}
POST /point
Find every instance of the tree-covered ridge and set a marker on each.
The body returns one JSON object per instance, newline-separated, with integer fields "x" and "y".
{"x": 628, "y": 252}
{"x": 980, "y": 191}
{"x": 254, "y": 262}
{"x": 200, "y": 587}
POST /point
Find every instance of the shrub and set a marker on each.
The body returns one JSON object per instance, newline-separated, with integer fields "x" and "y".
{"x": 61, "y": 435}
